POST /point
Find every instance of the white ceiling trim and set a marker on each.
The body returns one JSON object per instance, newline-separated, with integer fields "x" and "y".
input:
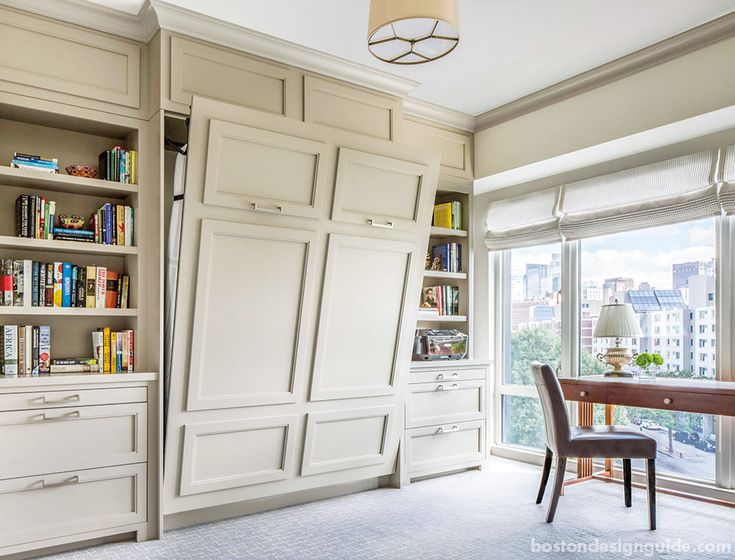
{"x": 721, "y": 120}
{"x": 437, "y": 113}
{"x": 673, "y": 47}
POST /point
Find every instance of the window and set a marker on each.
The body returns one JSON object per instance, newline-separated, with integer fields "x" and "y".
{"x": 667, "y": 275}
{"x": 532, "y": 331}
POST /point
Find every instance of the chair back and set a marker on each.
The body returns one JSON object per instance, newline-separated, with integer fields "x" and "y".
{"x": 556, "y": 417}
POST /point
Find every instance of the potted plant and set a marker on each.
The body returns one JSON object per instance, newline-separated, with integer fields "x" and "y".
{"x": 649, "y": 362}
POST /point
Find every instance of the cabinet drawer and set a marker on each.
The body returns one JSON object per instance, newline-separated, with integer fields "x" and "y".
{"x": 36, "y": 442}
{"x": 446, "y": 374}
{"x": 448, "y": 445}
{"x": 438, "y": 403}
{"x": 71, "y": 397}
{"x": 669, "y": 400}
{"x": 585, "y": 392}
{"x": 45, "y": 507}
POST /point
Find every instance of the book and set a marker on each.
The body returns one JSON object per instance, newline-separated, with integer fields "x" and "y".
{"x": 113, "y": 352}
{"x": 74, "y": 361}
{"x": 91, "y": 287}
{"x": 50, "y": 283}
{"x": 21, "y": 350}
{"x": 10, "y": 350}
{"x": 131, "y": 350}
{"x": 124, "y": 292}
{"x": 58, "y": 277}
{"x": 101, "y": 287}
{"x": 35, "y": 351}
{"x": 28, "y": 331}
{"x": 98, "y": 349}
{"x": 443, "y": 215}
{"x": 44, "y": 349}
{"x": 35, "y": 283}
{"x": 120, "y": 223}
{"x": 73, "y": 368}
{"x": 81, "y": 288}
{"x": 66, "y": 285}
{"x": 429, "y": 300}
{"x": 74, "y": 285}
{"x": 107, "y": 335}
{"x": 111, "y": 290}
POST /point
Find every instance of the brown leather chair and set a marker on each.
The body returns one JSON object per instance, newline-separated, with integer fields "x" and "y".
{"x": 592, "y": 442}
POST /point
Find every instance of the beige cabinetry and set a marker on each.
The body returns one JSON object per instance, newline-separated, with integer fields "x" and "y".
{"x": 295, "y": 306}
{"x": 445, "y": 418}
{"x": 75, "y": 460}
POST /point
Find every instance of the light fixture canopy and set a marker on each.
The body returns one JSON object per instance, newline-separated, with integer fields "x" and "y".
{"x": 412, "y": 31}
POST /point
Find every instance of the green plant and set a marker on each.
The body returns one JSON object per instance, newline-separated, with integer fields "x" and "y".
{"x": 647, "y": 359}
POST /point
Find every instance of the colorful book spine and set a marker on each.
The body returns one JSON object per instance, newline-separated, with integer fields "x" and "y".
{"x": 10, "y": 350}
{"x": 66, "y": 284}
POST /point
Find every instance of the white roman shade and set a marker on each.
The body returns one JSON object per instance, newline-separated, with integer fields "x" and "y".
{"x": 531, "y": 219}
{"x": 682, "y": 189}
{"x": 727, "y": 186}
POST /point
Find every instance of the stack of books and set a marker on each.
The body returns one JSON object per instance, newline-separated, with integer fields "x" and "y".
{"x": 27, "y": 283}
{"x": 114, "y": 350}
{"x": 34, "y": 217}
{"x": 114, "y": 224}
{"x": 120, "y": 165}
{"x": 26, "y": 350}
{"x": 441, "y": 300}
{"x": 448, "y": 215}
{"x": 74, "y": 365}
{"x": 36, "y": 163}
{"x": 447, "y": 257}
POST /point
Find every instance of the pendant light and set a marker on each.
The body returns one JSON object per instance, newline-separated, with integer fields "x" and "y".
{"x": 412, "y": 31}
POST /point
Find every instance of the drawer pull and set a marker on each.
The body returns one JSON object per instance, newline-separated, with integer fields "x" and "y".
{"x": 73, "y": 480}
{"x": 441, "y": 430}
{"x": 583, "y": 393}
{"x": 73, "y": 414}
{"x": 440, "y": 376}
{"x": 443, "y": 388}
{"x": 70, "y": 398}
{"x": 386, "y": 225}
{"x": 276, "y": 210}
{"x": 667, "y": 400}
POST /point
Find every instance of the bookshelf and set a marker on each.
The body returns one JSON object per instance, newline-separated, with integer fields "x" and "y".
{"x": 77, "y": 136}
{"x": 447, "y": 192}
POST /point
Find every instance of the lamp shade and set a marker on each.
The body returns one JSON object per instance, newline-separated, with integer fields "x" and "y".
{"x": 412, "y": 31}
{"x": 617, "y": 320}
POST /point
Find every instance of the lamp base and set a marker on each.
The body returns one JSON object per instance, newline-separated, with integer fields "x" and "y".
{"x": 617, "y": 357}
{"x": 617, "y": 374}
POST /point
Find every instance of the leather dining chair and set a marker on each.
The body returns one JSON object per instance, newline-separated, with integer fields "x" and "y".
{"x": 587, "y": 442}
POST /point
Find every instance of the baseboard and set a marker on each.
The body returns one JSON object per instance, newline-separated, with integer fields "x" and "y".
{"x": 229, "y": 511}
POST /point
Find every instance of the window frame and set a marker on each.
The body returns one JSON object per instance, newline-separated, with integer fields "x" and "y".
{"x": 571, "y": 291}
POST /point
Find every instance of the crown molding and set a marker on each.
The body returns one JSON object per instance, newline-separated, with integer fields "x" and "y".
{"x": 438, "y": 114}
{"x": 193, "y": 24}
{"x": 139, "y": 27}
{"x": 673, "y": 47}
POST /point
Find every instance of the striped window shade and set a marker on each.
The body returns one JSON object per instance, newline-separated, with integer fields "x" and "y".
{"x": 682, "y": 189}
{"x": 520, "y": 221}
{"x": 727, "y": 186}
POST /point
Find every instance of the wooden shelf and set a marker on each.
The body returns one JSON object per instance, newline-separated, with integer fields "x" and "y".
{"x": 446, "y": 232}
{"x": 64, "y": 183}
{"x": 432, "y": 318}
{"x": 8, "y": 381}
{"x": 57, "y": 246}
{"x": 442, "y": 275}
{"x": 66, "y": 312}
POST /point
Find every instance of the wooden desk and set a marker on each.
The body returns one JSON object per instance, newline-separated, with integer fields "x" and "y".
{"x": 682, "y": 395}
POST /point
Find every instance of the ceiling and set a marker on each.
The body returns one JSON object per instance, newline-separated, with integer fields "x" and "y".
{"x": 507, "y": 48}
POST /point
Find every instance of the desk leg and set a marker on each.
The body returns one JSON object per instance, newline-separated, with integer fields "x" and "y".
{"x": 586, "y": 419}
{"x": 609, "y": 420}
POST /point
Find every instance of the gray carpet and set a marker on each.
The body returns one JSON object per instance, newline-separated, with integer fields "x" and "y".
{"x": 472, "y": 515}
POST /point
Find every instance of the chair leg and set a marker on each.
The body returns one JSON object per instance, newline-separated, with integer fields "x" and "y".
{"x": 628, "y": 482}
{"x": 652, "y": 494}
{"x": 561, "y": 466}
{"x": 545, "y": 475}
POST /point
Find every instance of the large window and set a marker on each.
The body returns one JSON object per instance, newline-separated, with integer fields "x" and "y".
{"x": 668, "y": 275}
{"x": 532, "y": 332}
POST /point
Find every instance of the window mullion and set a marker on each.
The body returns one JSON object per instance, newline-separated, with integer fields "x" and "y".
{"x": 571, "y": 291}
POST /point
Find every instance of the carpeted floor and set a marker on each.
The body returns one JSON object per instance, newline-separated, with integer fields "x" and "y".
{"x": 472, "y": 515}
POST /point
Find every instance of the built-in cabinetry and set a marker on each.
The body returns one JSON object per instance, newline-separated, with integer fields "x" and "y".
{"x": 445, "y": 422}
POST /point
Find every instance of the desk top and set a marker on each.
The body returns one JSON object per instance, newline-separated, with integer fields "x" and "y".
{"x": 659, "y": 384}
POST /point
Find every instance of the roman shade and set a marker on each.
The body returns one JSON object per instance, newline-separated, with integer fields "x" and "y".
{"x": 681, "y": 189}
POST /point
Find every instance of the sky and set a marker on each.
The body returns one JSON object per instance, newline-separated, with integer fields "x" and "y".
{"x": 644, "y": 255}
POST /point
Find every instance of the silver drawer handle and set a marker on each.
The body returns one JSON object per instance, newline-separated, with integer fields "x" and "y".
{"x": 667, "y": 400}
{"x": 455, "y": 374}
{"x": 73, "y": 480}
{"x": 441, "y": 429}
{"x": 443, "y": 388}
{"x": 70, "y": 398}
{"x": 73, "y": 414}
{"x": 386, "y": 225}
{"x": 276, "y": 210}
{"x": 440, "y": 376}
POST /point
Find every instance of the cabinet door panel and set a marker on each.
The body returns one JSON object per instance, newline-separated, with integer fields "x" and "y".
{"x": 248, "y": 320}
{"x": 379, "y": 191}
{"x": 256, "y": 169}
{"x": 349, "y": 439}
{"x": 221, "y": 455}
{"x": 359, "y": 342}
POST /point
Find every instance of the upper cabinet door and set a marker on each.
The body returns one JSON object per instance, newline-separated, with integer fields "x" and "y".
{"x": 379, "y": 191}
{"x": 363, "y": 336}
{"x": 264, "y": 171}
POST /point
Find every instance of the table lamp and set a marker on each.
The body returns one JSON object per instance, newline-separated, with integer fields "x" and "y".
{"x": 617, "y": 320}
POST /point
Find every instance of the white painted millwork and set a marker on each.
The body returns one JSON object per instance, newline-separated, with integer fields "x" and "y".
{"x": 278, "y": 297}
